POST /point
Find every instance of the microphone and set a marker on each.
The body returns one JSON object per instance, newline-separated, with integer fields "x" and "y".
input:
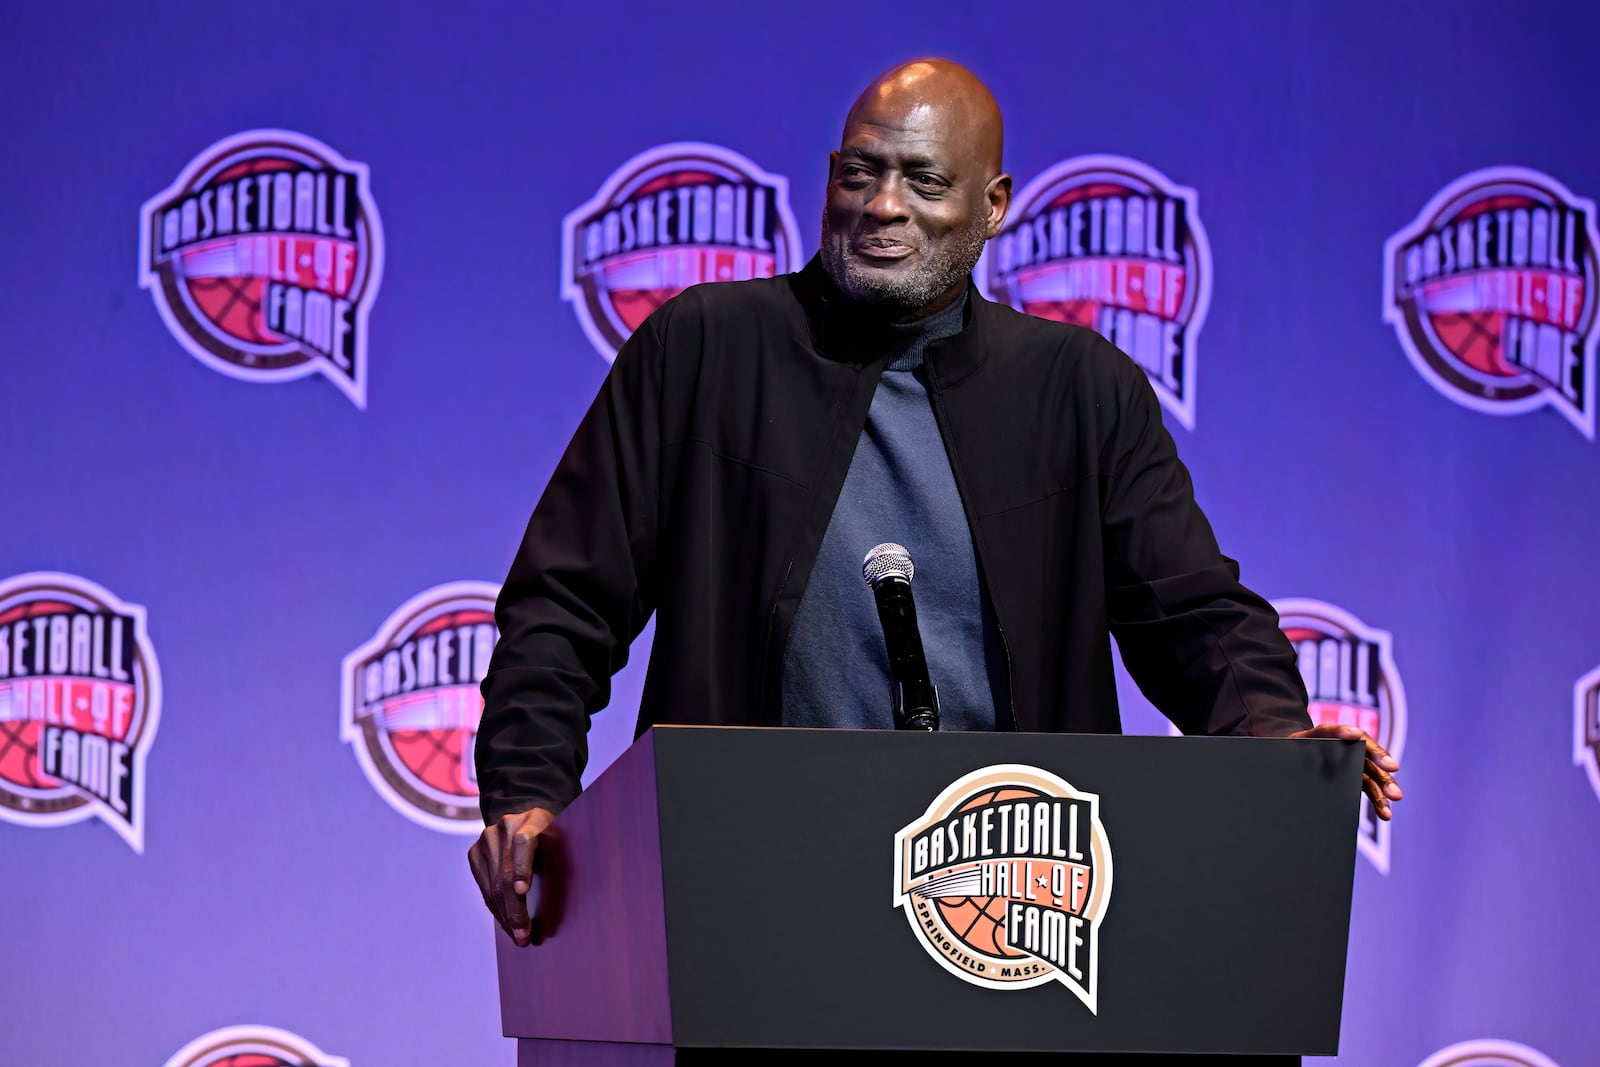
{"x": 888, "y": 570}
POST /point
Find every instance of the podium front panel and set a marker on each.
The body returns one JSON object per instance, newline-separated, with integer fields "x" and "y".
{"x": 1226, "y": 863}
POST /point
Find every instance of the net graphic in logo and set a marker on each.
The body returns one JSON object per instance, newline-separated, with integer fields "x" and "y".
{"x": 1005, "y": 879}
{"x": 1586, "y": 726}
{"x": 253, "y": 1046}
{"x": 1349, "y": 671}
{"x": 1488, "y": 1053}
{"x": 411, "y": 704}
{"x": 264, "y": 258}
{"x": 1491, "y": 291}
{"x": 1111, "y": 243}
{"x": 80, "y": 698}
{"x": 671, "y": 217}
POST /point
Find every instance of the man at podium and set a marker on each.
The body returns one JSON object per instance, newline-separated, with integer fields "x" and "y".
{"x": 753, "y": 439}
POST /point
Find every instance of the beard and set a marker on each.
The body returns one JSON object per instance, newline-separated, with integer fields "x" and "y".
{"x": 938, "y": 266}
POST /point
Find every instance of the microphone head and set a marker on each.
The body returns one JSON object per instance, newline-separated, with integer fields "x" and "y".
{"x": 888, "y": 560}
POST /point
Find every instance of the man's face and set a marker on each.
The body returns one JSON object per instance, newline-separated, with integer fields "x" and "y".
{"x": 906, "y": 214}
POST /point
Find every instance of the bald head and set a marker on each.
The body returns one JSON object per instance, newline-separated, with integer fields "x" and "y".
{"x": 915, "y": 188}
{"x": 946, "y": 94}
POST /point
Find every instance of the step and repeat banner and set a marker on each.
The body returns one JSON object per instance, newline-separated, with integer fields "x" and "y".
{"x": 303, "y": 304}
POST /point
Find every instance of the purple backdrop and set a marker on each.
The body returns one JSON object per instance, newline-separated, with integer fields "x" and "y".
{"x": 302, "y": 865}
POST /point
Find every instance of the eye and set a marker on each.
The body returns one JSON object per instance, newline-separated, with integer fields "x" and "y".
{"x": 853, "y": 171}
{"x": 928, "y": 181}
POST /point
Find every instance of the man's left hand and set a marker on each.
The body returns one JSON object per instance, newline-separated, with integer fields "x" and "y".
{"x": 1378, "y": 777}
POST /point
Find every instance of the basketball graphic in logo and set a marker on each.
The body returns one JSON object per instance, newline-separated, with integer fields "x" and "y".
{"x": 411, "y": 704}
{"x": 264, "y": 259}
{"x": 671, "y": 217}
{"x": 1112, "y": 244}
{"x": 1488, "y": 1053}
{"x": 253, "y": 1046}
{"x": 1005, "y": 878}
{"x": 1350, "y": 676}
{"x": 1491, "y": 291}
{"x": 1586, "y": 726}
{"x": 80, "y": 698}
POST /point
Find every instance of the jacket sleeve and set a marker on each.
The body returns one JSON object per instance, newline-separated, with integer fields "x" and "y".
{"x": 579, "y": 591}
{"x": 1204, "y": 649}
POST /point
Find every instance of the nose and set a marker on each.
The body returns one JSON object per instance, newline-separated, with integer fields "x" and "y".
{"x": 887, "y": 203}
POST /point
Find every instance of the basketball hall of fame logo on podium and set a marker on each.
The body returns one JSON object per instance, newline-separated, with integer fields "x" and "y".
{"x": 264, "y": 258}
{"x": 1350, "y": 676}
{"x": 1491, "y": 291}
{"x": 253, "y": 1046}
{"x": 671, "y": 217}
{"x": 1488, "y": 1053}
{"x": 80, "y": 698}
{"x": 1112, "y": 244}
{"x": 1586, "y": 726}
{"x": 1005, "y": 878}
{"x": 411, "y": 704}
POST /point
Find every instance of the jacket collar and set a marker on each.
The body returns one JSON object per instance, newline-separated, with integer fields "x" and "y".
{"x": 846, "y": 334}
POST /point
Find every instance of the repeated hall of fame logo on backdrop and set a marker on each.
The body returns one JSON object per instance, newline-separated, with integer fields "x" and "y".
{"x": 1586, "y": 726}
{"x": 1350, "y": 676}
{"x": 411, "y": 704}
{"x": 1491, "y": 291}
{"x": 1488, "y": 1053}
{"x": 264, "y": 258}
{"x": 80, "y": 698}
{"x": 671, "y": 217}
{"x": 1111, "y": 243}
{"x": 1005, "y": 878}
{"x": 253, "y": 1046}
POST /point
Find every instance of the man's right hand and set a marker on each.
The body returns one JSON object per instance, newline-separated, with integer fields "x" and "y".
{"x": 502, "y": 860}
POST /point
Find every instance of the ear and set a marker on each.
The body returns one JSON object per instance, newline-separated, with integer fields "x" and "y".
{"x": 998, "y": 195}
{"x": 833, "y": 165}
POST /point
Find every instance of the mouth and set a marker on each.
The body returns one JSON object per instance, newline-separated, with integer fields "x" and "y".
{"x": 882, "y": 249}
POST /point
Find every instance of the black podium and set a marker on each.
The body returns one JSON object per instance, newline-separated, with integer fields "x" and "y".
{"x": 1117, "y": 899}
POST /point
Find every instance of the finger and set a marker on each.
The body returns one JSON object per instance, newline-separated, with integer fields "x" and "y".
{"x": 522, "y": 846}
{"x": 1333, "y": 731}
{"x": 515, "y": 906}
{"x": 1385, "y": 780}
{"x": 1379, "y": 755}
{"x": 483, "y": 868}
{"x": 1380, "y": 803}
{"x": 479, "y": 859}
{"x": 510, "y": 891}
{"x": 1345, "y": 732}
{"x": 479, "y": 862}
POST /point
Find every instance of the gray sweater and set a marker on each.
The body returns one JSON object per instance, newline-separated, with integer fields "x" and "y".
{"x": 900, "y": 488}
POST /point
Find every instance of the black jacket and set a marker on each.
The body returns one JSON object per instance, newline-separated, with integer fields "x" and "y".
{"x": 700, "y": 483}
